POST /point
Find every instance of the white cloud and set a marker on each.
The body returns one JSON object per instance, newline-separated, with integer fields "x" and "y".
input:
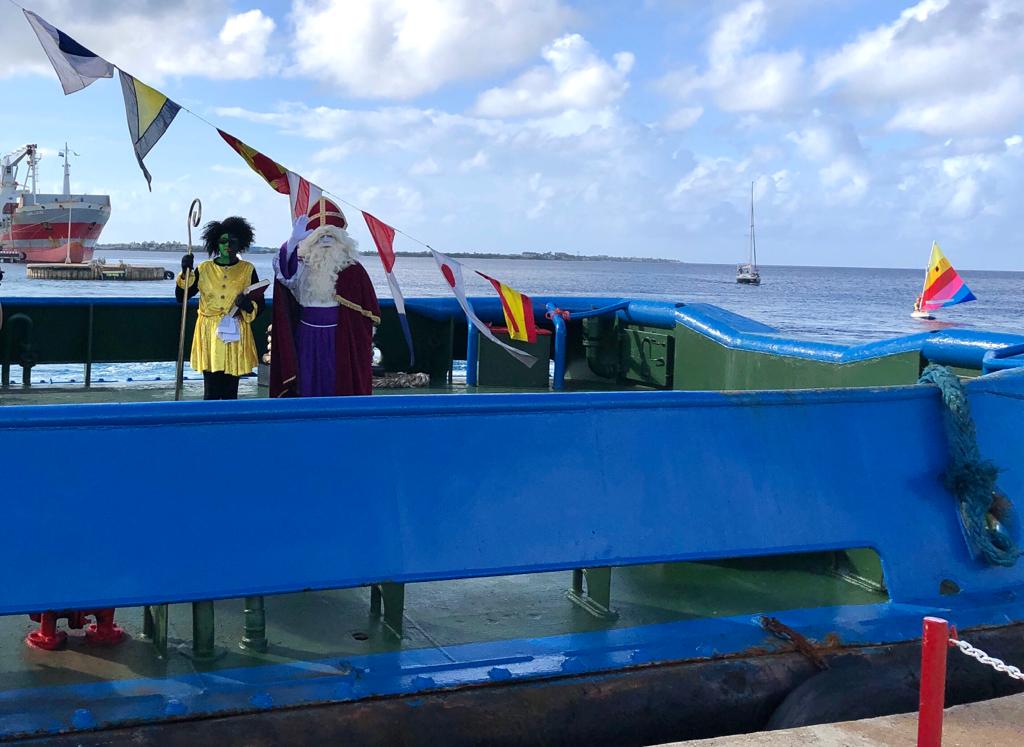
{"x": 152, "y": 40}
{"x": 244, "y": 39}
{"x": 964, "y": 176}
{"x": 683, "y": 119}
{"x": 737, "y": 31}
{"x": 992, "y": 110}
{"x": 478, "y": 161}
{"x": 716, "y": 176}
{"x": 542, "y": 193}
{"x": 949, "y": 68}
{"x": 426, "y": 167}
{"x": 333, "y": 154}
{"x": 575, "y": 78}
{"x": 544, "y": 170}
{"x": 843, "y": 168}
{"x": 738, "y": 78}
{"x": 846, "y": 179}
{"x": 400, "y": 49}
{"x": 388, "y": 129}
{"x": 882, "y": 60}
{"x": 399, "y": 201}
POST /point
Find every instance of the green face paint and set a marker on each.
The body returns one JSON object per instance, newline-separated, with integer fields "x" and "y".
{"x": 223, "y": 255}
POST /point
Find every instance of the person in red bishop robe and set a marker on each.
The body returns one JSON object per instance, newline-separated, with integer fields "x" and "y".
{"x": 325, "y": 311}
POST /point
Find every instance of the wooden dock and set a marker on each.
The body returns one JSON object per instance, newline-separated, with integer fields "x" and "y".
{"x": 94, "y": 271}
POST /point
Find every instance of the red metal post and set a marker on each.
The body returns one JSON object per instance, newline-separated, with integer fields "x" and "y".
{"x": 934, "y": 645}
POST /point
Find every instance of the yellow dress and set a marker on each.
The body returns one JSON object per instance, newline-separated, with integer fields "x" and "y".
{"x": 218, "y": 287}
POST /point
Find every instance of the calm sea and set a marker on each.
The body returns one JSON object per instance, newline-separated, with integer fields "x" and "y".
{"x": 835, "y": 303}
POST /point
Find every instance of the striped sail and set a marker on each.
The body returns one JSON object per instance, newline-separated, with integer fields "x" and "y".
{"x": 942, "y": 285}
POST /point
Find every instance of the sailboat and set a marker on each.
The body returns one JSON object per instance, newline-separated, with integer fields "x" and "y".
{"x": 747, "y": 274}
{"x": 942, "y": 286}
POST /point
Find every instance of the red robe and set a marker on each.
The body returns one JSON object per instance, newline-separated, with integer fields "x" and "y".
{"x": 353, "y": 337}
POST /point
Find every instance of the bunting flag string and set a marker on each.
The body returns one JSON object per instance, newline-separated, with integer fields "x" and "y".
{"x": 384, "y": 238}
{"x": 452, "y": 272}
{"x": 150, "y": 113}
{"x": 301, "y": 193}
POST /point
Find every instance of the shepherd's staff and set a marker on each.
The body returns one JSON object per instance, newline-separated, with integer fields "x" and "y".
{"x": 195, "y": 214}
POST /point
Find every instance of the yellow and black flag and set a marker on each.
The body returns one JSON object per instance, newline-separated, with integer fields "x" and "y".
{"x": 150, "y": 113}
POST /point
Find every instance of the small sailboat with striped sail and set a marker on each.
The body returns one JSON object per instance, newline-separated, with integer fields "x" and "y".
{"x": 943, "y": 286}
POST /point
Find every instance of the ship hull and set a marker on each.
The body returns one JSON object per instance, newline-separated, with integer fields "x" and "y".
{"x": 55, "y": 228}
{"x": 662, "y": 703}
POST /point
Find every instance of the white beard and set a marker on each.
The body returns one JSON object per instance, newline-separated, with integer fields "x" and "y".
{"x": 319, "y": 265}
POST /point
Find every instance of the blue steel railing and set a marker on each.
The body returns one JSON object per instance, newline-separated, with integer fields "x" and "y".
{"x": 962, "y": 347}
{"x": 427, "y": 491}
{"x": 999, "y": 360}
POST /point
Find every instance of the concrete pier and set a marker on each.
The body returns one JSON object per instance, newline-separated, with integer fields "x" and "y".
{"x": 992, "y": 723}
{"x": 93, "y": 271}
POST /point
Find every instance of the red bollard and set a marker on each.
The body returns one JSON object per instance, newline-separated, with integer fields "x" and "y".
{"x": 934, "y": 645}
{"x": 103, "y": 632}
{"x": 46, "y": 637}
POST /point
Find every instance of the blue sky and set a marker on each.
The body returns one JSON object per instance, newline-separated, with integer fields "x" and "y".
{"x": 627, "y": 128}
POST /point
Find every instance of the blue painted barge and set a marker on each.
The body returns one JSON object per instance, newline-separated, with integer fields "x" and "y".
{"x": 688, "y": 525}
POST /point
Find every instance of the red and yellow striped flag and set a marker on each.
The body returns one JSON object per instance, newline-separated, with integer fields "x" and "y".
{"x": 518, "y": 310}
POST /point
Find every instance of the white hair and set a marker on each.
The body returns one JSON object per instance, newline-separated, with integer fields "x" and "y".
{"x": 323, "y": 263}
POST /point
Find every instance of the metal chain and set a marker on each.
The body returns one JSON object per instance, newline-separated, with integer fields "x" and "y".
{"x": 997, "y": 664}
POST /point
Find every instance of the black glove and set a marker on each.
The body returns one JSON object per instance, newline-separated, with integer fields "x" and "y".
{"x": 187, "y": 262}
{"x": 243, "y": 302}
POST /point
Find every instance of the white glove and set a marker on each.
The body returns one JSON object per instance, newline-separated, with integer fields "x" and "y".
{"x": 299, "y": 232}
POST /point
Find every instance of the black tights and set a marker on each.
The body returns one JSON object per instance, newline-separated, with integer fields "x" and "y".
{"x": 219, "y": 385}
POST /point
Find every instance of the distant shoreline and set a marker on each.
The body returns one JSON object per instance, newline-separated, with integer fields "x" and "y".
{"x": 169, "y": 246}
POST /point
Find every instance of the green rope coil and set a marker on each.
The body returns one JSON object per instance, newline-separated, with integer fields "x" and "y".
{"x": 970, "y": 478}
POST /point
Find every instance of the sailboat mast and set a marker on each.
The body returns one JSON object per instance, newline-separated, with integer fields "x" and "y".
{"x": 927, "y": 267}
{"x": 753, "y": 242}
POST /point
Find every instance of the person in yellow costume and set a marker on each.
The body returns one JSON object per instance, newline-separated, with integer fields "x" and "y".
{"x": 223, "y": 348}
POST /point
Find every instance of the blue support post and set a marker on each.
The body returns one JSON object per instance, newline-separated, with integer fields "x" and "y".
{"x": 558, "y": 383}
{"x": 472, "y": 352}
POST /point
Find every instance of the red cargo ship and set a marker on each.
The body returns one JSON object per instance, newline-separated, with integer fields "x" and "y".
{"x": 46, "y": 227}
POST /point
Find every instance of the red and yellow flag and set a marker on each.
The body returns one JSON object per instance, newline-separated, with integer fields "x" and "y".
{"x": 275, "y": 174}
{"x": 518, "y": 310}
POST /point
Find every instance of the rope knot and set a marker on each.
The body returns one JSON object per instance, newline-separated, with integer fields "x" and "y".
{"x": 964, "y": 477}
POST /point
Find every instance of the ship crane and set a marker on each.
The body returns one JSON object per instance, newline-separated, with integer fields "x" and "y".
{"x": 9, "y": 171}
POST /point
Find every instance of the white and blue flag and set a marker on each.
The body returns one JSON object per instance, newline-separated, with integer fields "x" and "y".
{"x": 75, "y": 65}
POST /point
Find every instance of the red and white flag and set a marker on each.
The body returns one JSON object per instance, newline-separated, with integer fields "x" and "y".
{"x": 452, "y": 272}
{"x": 301, "y": 194}
{"x": 384, "y": 237}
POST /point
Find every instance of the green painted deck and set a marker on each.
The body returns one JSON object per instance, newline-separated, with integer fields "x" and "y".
{"x": 312, "y": 626}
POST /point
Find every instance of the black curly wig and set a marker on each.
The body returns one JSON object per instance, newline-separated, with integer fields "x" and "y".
{"x": 236, "y": 227}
